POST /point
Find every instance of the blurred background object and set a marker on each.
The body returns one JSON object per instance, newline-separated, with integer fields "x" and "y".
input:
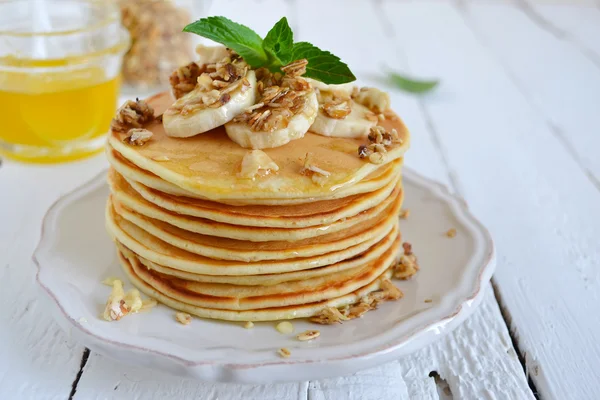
{"x": 158, "y": 45}
{"x": 60, "y": 64}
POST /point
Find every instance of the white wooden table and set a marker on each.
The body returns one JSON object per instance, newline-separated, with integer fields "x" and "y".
{"x": 514, "y": 128}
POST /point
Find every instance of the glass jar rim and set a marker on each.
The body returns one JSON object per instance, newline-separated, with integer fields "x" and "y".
{"x": 112, "y": 17}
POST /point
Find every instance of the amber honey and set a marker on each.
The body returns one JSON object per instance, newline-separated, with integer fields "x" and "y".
{"x": 59, "y": 82}
{"x": 56, "y": 112}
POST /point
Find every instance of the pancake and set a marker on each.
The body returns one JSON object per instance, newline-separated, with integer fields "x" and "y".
{"x": 140, "y": 278}
{"x": 235, "y": 297}
{"x": 208, "y": 164}
{"x": 124, "y": 196}
{"x": 231, "y": 249}
{"x": 156, "y": 250}
{"x": 374, "y": 181}
{"x": 375, "y": 251}
{"x": 290, "y": 216}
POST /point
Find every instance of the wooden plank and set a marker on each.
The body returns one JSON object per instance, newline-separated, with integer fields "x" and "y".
{"x": 38, "y": 359}
{"x": 515, "y": 174}
{"x": 104, "y": 378}
{"x": 557, "y": 71}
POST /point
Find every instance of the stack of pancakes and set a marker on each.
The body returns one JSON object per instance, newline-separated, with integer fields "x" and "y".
{"x": 194, "y": 235}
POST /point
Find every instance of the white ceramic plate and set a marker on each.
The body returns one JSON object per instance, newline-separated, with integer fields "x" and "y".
{"x": 75, "y": 254}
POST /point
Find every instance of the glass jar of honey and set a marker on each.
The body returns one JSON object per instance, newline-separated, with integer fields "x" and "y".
{"x": 60, "y": 63}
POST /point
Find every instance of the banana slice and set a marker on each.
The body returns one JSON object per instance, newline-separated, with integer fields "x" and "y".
{"x": 343, "y": 89}
{"x": 357, "y": 122}
{"x": 211, "y": 54}
{"x": 245, "y": 133}
{"x": 203, "y": 109}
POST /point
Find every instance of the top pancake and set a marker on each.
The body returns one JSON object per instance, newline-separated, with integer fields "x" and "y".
{"x": 208, "y": 164}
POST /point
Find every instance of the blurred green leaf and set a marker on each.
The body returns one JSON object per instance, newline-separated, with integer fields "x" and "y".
{"x": 412, "y": 85}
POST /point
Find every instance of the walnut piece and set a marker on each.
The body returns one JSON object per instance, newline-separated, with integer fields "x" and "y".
{"x": 408, "y": 265}
{"x": 404, "y": 213}
{"x": 249, "y": 325}
{"x": 132, "y": 114}
{"x": 372, "y": 98}
{"x": 184, "y": 79}
{"x": 451, "y": 233}
{"x": 138, "y": 136}
{"x": 256, "y": 163}
{"x": 317, "y": 175}
{"x": 380, "y": 140}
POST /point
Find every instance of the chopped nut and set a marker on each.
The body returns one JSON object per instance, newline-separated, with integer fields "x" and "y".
{"x": 138, "y": 136}
{"x": 256, "y": 162}
{"x": 404, "y": 214}
{"x": 115, "y": 306}
{"x": 183, "y": 318}
{"x": 364, "y": 151}
{"x": 184, "y": 79}
{"x": 110, "y": 280}
{"x": 389, "y": 291}
{"x": 160, "y": 158}
{"x": 376, "y": 134}
{"x": 283, "y": 352}
{"x": 377, "y": 158}
{"x": 285, "y": 327}
{"x": 249, "y": 325}
{"x": 338, "y": 109}
{"x": 317, "y": 175}
{"x": 376, "y": 100}
{"x": 408, "y": 265}
{"x": 308, "y": 335}
{"x": 451, "y": 233}
{"x": 329, "y": 316}
{"x": 428, "y": 301}
{"x": 310, "y": 168}
{"x": 132, "y": 114}
{"x": 133, "y": 300}
{"x": 381, "y": 117}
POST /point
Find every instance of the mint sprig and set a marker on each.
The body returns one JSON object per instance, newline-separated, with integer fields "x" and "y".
{"x": 275, "y": 51}
{"x": 278, "y": 44}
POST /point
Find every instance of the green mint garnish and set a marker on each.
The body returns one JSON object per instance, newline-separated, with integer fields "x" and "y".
{"x": 278, "y": 44}
{"x": 275, "y": 51}
{"x": 412, "y": 85}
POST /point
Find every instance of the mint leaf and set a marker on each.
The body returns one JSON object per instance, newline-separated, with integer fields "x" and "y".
{"x": 237, "y": 37}
{"x": 413, "y": 85}
{"x": 278, "y": 44}
{"x": 322, "y": 65}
